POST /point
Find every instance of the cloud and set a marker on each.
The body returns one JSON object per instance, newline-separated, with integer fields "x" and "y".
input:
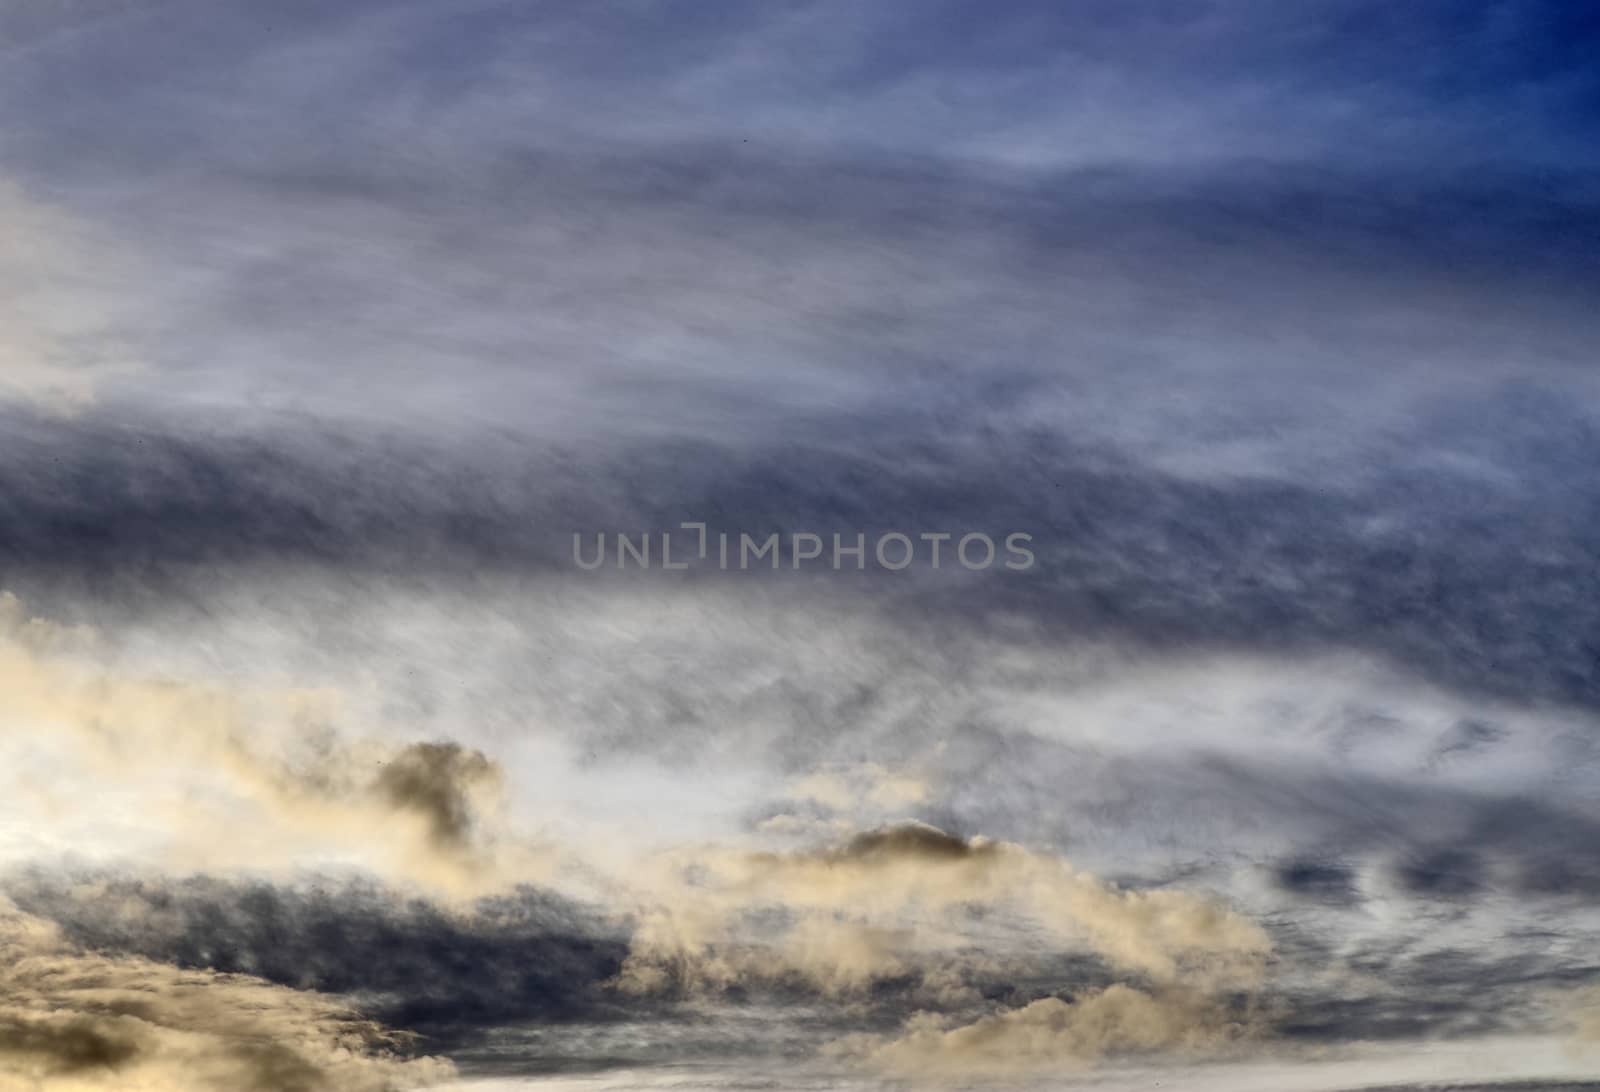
{"x": 867, "y": 786}
{"x": 1287, "y": 368}
{"x": 1039, "y": 83}
{"x": 268, "y": 766}
{"x": 77, "y": 1022}
{"x": 1579, "y": 1009}
{"x": 66, "y": 334}
{"x": 889, "y": 899}
{"x": 1383, "y": 550}
{"x": 439, "y": 782}
{"x": 450, "y": 971}
{"x": 1052, "y": 1034}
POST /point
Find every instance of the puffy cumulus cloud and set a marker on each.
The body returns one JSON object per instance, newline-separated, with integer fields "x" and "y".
{"x": 890, "y": 901}
{"x": 692, "y": 951}
{"x": 77, "y": 1022}
{"x": 1053, "y": 1034}
{"x": 186, "y": 761}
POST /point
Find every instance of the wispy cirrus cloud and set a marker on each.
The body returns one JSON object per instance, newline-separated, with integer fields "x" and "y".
{"x": 71, "y": 328}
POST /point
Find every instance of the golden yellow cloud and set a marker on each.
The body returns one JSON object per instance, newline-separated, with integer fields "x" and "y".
{"x": 227, "y": 778}
{"x": 77, "y": 1022}
{"x": 1051, "y": 1034}
{"x": 896, "y": 898}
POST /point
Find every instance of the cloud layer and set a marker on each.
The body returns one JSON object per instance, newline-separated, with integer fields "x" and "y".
{"x": 328, "y": 326}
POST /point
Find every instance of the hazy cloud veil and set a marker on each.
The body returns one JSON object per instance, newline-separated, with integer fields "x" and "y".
{"x": 1168, "y": 439}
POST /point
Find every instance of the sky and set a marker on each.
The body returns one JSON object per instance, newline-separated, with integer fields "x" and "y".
{"x": 1177, "y": 662}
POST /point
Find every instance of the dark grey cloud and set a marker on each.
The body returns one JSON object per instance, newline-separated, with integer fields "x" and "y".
{"x": 524, "y": 956}
{"x": 434, "y": 780}
{"x": 519, "y": 983}
{"x": 1435, "y": 993}
{"x": 1478, "y": 584}
{"x": 1329, "y": 880}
